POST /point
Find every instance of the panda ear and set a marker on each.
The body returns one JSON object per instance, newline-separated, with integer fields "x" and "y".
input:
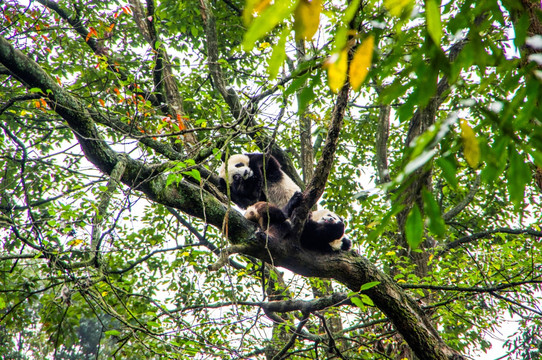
{"x": 223, "y": 157}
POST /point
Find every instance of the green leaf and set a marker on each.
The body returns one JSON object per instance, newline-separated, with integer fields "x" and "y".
{"x": 112, "y": 333}
{"x": 350, "y": 11}
{"x": 172, "y": 178}
{"x": 396, "y": 208}
{"x": 366, "y": 300}
{"x": 449, "y": 171}
{"x": 537, "y": 156}
{"x": 296, "y": 84}
{"x": 308, "y": 94}
{"x": 358, "y": 302}
{"x": 279, "y": 54}
{"x": 369, "y": 285}
{"x": 518, "y": 175}
{"x": 432, "y": 16}
{"x": 496, "y": 159}
{"x": 414, "y": 227}
{"x": 432, "y": 211}
{"x": 342, "y": 33}
{"x": 193, "y": 173}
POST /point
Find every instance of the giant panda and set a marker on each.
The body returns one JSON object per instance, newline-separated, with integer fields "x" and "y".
{"x": 250, "y": 182}
{"x": 323, "y": 231}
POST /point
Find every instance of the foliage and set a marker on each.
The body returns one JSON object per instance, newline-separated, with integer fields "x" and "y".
{"x": 449, "y": 206}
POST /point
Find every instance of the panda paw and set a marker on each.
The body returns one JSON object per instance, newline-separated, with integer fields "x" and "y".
{"x": 297, "y": 197}
{"x": 346, "y": 244}
{"x": 294, "y": 202}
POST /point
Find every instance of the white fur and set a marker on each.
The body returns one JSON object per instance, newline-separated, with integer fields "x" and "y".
{"x": 245, "y": 171}
{"x": 324, "y": 216}
{"x": 336, "y": 244}
{"x": 280, "y": 193}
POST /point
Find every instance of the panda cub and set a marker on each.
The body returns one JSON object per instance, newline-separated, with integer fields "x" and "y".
{"x": 270, "y": 219}
{"x": 323, "y": 230}
{"x": 250, "y": 182}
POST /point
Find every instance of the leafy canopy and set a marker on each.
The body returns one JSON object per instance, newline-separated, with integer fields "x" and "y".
{"x": 438, "y": 171}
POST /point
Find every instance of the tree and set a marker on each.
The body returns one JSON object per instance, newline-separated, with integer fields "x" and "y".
{"x": 114, "y": 118}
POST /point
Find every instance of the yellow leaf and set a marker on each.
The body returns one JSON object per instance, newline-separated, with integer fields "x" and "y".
{"x": 104, "y": 293}
{"x": 337, "y": 64}
{"x": 307, "y": 18}
{"x": 361, "y": 62}
{"x": 264, "y": 45}
{"x": 397, "y": 7}
{"x": 74, "y": 242}
{"x": 471, "y": 148}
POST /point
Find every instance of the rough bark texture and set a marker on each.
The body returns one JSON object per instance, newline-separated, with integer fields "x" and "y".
{"x": 533, "y": 8}
{"x": 348, "y": 268}
{"x": 382, "y": 135}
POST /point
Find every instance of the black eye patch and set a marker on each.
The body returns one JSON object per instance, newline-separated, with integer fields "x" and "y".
{"x": 239, "y": 165}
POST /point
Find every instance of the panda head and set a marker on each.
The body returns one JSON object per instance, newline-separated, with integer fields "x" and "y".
{"x": 325, "y": 216}
{"x": 237, "y": 168}
{"x": 333, "y": 227}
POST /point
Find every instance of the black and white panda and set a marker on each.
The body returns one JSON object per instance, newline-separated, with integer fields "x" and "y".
{"x": 323, "y": 230}
{"x": 250, "y": 182}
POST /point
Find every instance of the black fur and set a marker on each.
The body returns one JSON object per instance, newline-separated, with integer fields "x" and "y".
{"x": 244, "y": 192}
{"x": 318, "y": 235}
